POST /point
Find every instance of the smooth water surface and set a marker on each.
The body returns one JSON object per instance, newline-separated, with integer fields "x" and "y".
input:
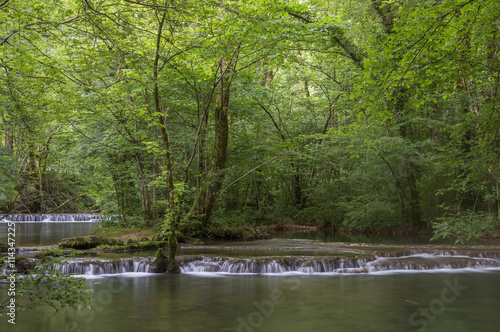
{"x": 281, "y": 303}
{"x": 50, "y": 233}
{"x": 30, "y": 234}
{"x": 444, "y": 301}
{"x": 323, "y": 236}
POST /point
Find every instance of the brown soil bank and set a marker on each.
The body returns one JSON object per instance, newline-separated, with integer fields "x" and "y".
{"x": 291, "y": 228}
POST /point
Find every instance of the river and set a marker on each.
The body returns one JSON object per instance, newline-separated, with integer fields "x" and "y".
{"x": 462, "y": 301}
{"x": 300, "y": 282}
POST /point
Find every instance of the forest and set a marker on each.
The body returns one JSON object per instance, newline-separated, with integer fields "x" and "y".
{"x": 365, "y": 115}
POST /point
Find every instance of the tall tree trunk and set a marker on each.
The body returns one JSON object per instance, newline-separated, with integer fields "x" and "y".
{"x": 40, "y": 161}
{"x": 208, "y": 194}
{"x": 162, "y": 122}
{"x": 413, "y": 212}
{"x": 297, "y": 197}
{"x": 201, "y": 167}
{"x": 413, "y": 196}
{"x": 154, "y": 165}
{"x": 143, "y": 188}
{"x": 9, "y": 135}
{"x": 119, "y": 190}
{"x": 383, "y": 10}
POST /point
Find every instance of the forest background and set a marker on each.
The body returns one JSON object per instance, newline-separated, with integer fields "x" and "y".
{"x": 365, "y": 115}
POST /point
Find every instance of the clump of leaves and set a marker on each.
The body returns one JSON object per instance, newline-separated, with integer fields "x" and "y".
{"x": 465, "y": 227}
{"x": 45, "y": 285}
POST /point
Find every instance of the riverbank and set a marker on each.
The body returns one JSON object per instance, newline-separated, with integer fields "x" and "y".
{"x": 148, "y": 238}
{"x": 112, "y": 239}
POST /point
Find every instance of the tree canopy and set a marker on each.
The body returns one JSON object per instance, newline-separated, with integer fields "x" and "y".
{"x": 371, "y": 115}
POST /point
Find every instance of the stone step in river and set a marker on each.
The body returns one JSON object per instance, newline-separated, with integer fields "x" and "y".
{"x": 281, "y": 265}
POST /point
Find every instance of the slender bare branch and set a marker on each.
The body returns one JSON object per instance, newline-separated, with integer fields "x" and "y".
{"x": 155, "y": 6}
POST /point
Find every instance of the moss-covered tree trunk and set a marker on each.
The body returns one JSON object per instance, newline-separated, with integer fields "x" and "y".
{"x": 143, "y": 188}
{"x": 207, "y": 197}
{"x": 173, "y": 267}
{"x": 413, "y": 211}
{"x": 162, "y": 123}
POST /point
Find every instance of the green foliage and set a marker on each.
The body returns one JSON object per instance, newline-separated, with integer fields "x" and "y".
{"x": 131, "y": 221}
{"x": 172, "y": 244}
{"x": 8, "y": 179}
{"x": 229, "y": 229}
{"x": 361, "y": 114}
{"x": 172, "y": 215}
{"x": 86, "y": 242}
{"x": 465, "y": 227}
{"x": 116, "y": 231}
{"x": 161, "y": 261}
{"x": 112, "y": 222}
{"x": 45, "y": 285}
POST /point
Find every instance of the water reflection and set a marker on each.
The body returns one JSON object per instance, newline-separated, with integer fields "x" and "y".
{"x": 324, "y": 236}
{"x": 305, "y": 303}
{"x": 45, "y": 234}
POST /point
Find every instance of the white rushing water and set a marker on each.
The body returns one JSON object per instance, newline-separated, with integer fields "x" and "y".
{"x": 51, "y": 218}
{"x": 285, "y": 265}
{"x": 329, "y": 265}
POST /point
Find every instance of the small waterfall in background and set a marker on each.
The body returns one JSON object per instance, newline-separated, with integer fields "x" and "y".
{"x": 52, "y": 218}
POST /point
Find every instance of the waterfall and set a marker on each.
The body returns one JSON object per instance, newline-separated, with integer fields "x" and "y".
{"x": 102, "y": 266}
{"x": 446, "y": 260}
{"x": 315, "y": 265}
{"x": 52, "y": 218}
{"x": 429, "y": 262}
{"x": 272, "y": 265}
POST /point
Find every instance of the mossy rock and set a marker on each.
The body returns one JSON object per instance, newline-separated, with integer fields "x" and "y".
{"x": 144, "y": 245}
{"x": 114, "y": 242}
{"x": 56, "y": 253}
{"x": 24, "y": 265}
{"x": 113, "y": 248}
{"x": 161, "y": 262}
{"x": 85, "y": 242}
{"x": 173, "y": 267}
{"x": 106, "y": 247}
{"x": 103, "y": 243}
{"x": 132, "y": 246}
{"x": 152, "y": 244}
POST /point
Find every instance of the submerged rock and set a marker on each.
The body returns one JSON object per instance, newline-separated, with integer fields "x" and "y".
{"x": 24, "y": 265}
